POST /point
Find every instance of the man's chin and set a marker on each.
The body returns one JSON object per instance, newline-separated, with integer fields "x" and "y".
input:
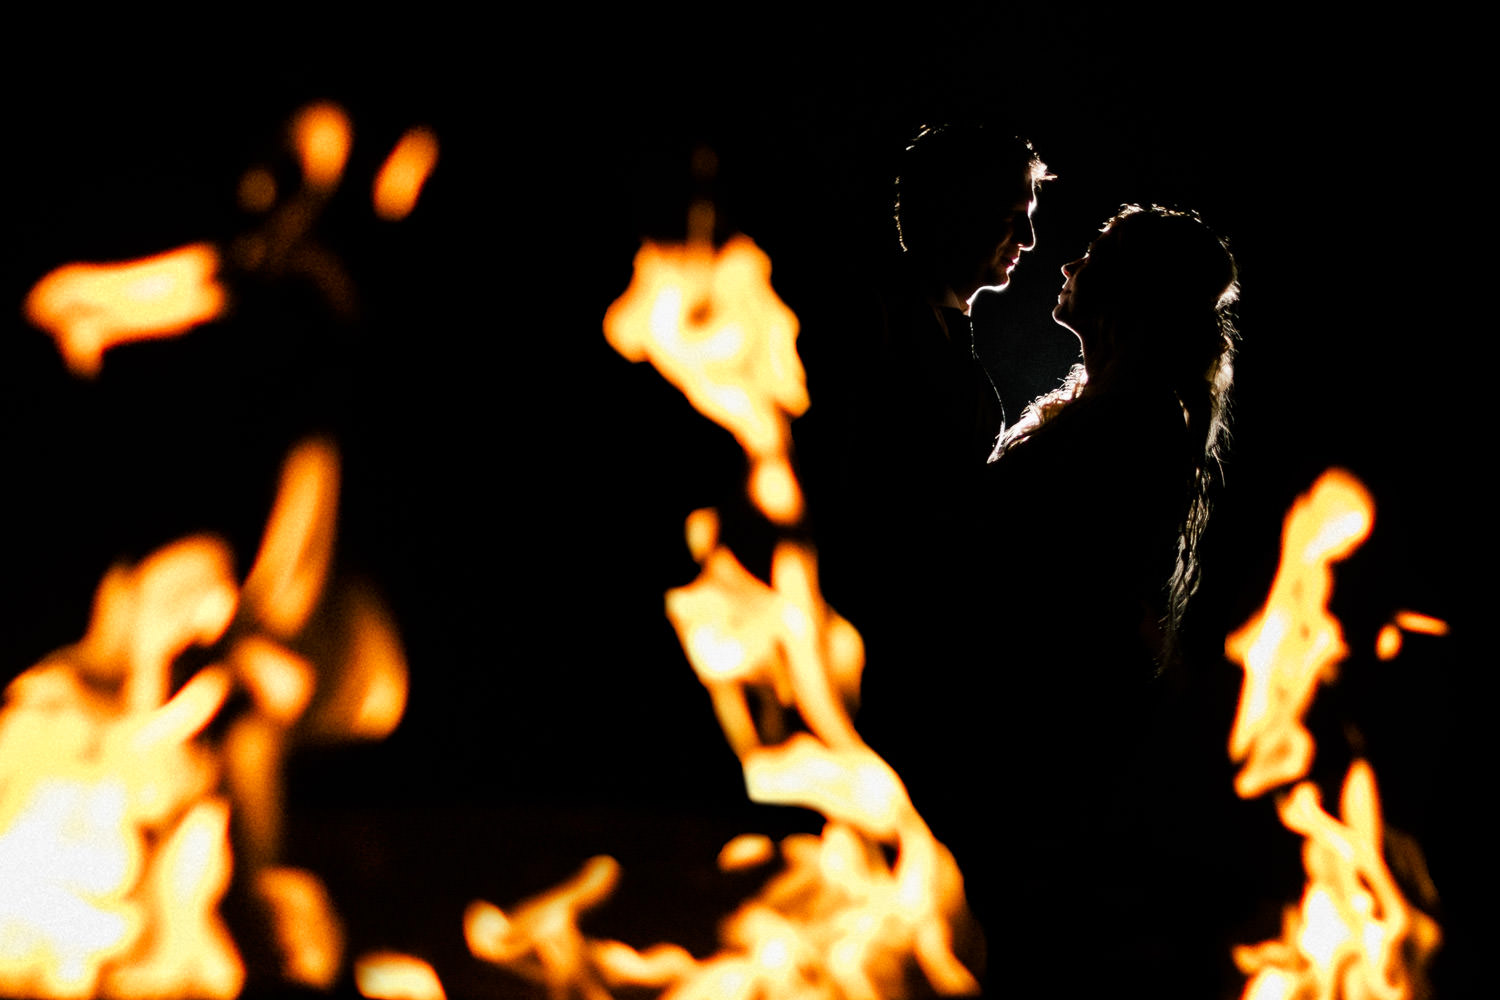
{"x": 1000, "y": 287}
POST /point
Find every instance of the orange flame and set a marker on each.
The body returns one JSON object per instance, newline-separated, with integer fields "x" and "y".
{"x": 1354, "y": 935}
{"x": 89, "y": 308}
{"x": 400, "y": 180}
{"x": 308, "y": 935}
{"x": 1425, "y": 624}
{"x": 740, "y": 633}
{"x": 107, "y": 821}
{"x": 541, "y": 940}
{"x": 1293, "y": 642}
{"x": 387, "y": 975}
{"x": 1388, "y": 642}
{"x": 712, "y": 325}
{"x": 841, "y": 920}
{"x": 114, "y": 817}
{"x": 288, "y": 574}
{"x": 321, "y": 135}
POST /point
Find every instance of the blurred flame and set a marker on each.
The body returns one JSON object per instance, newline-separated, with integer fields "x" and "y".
{"x": 387, "y": 975}
{"x": 308, "y": 935}
{"x": 1388, "y": 641}
{"x": 115, "y": 815}
{"x": 746, "y": 851}
{"x": 1426, "y": 624}
{"x": 321, "y": 136}
{"x": 1293, "y": 642}
{"x": 89, "y": 308}
{"x": 843, "y": 919}
{"x": 541, "y": 939}
{"x": 1354, "y": 936}
{"x": 740, "y": 633}
{"x": 287, "y": 577}
{"x": 713, "y": 326}
{"x": 257, "y": 190}
{"x": 400, "y": 180}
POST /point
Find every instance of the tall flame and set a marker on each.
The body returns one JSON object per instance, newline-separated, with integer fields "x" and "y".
{"x": 1293, "y": 642}
{"x": 1353, "y": 936}
{"x": 843, "y": 919}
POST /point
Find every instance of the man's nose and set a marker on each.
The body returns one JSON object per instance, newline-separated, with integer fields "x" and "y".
{"x": 1070, "y": 268}
{"x": 1027, "y": 234}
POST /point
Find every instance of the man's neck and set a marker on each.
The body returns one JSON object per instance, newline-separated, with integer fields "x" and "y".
{"x": 950, "y": 300}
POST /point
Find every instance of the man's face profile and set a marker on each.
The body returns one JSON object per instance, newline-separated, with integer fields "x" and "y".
{"x": 1007, "y": 234}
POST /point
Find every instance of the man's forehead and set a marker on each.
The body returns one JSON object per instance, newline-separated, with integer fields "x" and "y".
{"x": 1016, "y": 202}
{"x": 1021, "y": 197}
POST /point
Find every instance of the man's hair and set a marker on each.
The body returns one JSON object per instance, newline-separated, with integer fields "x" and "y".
{"x": 953, "y": 176}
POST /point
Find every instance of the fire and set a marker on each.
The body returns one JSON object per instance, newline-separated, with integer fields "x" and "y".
{"x": 89, "y": 308}
{"x": 322, "y": 135}
{"x": 1388, "y": 641}
{"x": 400, "y": 180}
{"x": 710, "y": 322}
{"x": 1354, "y": 936}
{"x": 873, "y": 903}
{"x": 386, "y": 975}
{"x": 116, "y": 807}
{"x": 541, "y": 939}
{"x": 741, "y": 635}
{"x": 1293, "y": 642}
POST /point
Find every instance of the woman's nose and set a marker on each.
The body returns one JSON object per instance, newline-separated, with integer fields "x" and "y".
{"x": 1071, "y": 267}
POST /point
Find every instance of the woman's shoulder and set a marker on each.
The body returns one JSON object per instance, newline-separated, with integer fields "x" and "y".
{"x": 1126, "y": 449}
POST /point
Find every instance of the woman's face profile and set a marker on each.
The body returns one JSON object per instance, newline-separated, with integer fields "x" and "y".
{"x": 1077, "y": 302}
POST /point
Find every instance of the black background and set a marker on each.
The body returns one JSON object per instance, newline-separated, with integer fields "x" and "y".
{"x": 516, "y": 491}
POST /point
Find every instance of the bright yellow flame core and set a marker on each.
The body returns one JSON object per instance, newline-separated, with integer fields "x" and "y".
{"x": 89, "y": 308}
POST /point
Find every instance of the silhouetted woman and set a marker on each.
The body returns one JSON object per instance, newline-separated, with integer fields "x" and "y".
{"x": 1102, "y": 486}
{"x": 1096, "y": 501}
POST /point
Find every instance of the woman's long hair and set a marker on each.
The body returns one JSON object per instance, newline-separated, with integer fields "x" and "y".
{"x": 1162, "y": 285}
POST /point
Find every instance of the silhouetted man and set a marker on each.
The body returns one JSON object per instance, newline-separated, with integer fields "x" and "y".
{"x": 963, "y": 216}
{"x": 903, "y": 418}
{"x": 903, "y": 414}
